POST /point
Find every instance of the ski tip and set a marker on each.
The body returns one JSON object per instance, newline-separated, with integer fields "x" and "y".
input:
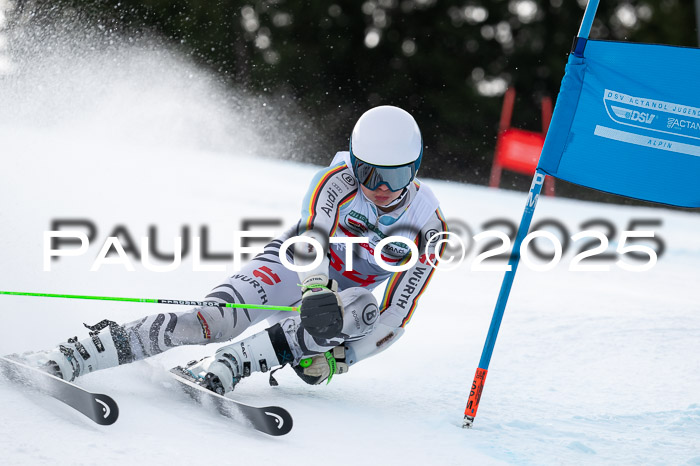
{"x": 270, "y": 420}
{"x": 106, "y": 410}
{"x": 278, "y": 421}
{"x": 100, "y": 408}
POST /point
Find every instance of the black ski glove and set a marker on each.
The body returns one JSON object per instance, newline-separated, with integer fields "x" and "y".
{"x": 321, "y": 310}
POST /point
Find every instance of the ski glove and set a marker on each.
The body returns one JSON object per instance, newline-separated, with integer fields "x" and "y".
{"x": 320, "y": 367}
{"x": 321, "y": 310}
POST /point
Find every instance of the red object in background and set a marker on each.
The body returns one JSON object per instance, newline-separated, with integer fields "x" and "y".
{"x": 519, "y": 150}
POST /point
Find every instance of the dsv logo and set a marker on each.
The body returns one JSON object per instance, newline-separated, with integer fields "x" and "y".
{"x": 634, "y": 115}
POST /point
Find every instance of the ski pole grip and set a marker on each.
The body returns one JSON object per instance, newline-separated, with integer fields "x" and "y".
{"x": 474, "y": 397}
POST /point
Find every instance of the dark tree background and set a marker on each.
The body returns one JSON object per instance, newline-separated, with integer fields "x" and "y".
{"x": 447, "y": 62}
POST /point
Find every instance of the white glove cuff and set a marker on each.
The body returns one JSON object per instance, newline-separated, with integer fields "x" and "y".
{"x": 318, "y": 275}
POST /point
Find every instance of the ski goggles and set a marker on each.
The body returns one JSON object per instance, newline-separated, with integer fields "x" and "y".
{"x": 373, "y": 176}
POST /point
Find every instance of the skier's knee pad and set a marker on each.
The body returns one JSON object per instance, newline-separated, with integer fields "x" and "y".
{"x": 361, "y": 312}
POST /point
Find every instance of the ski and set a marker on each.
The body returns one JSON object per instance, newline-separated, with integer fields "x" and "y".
{"x": 99, "y": 408}
{"x": 271, "y": 420}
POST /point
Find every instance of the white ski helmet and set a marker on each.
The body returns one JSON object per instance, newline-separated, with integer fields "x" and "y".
{"x": 386, "y": 147}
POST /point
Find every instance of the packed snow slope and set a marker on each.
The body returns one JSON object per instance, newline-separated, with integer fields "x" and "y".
{"x": 598, "y": 367}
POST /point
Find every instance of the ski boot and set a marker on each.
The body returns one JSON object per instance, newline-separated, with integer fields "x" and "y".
{"x": 75, "y": 358}
{"x": 223, "y": 371}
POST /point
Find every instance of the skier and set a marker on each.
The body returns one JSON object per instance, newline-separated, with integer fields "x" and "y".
{"x": 370, "y": 191}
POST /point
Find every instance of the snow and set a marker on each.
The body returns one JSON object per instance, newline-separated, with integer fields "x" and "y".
{"x": 589, "y": 367}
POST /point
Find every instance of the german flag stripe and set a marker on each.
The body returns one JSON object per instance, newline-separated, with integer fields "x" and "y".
{"x": 315, "y": 192}
{"x": 390, "y": 290}
{"x": 416, "y": 241}
{"x": 441, "y": 217}
{"x": 415, "y": 300}
{"x": 393, "y": 285}
{"x": 346, "y": 200}
{"x": 407, "y": 319}
{"x": 396, "y": 278}
{"x": 205, "y": 326}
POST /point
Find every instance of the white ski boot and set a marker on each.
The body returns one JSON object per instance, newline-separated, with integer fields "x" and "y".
{"x": 220, "y": 373}
{"x": 75, "y": 358}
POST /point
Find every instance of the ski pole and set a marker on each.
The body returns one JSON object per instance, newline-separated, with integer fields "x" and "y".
{"x": 477, "y": 386}
{"x": 480, "y": 377}
{"x": 156, "y": 301}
